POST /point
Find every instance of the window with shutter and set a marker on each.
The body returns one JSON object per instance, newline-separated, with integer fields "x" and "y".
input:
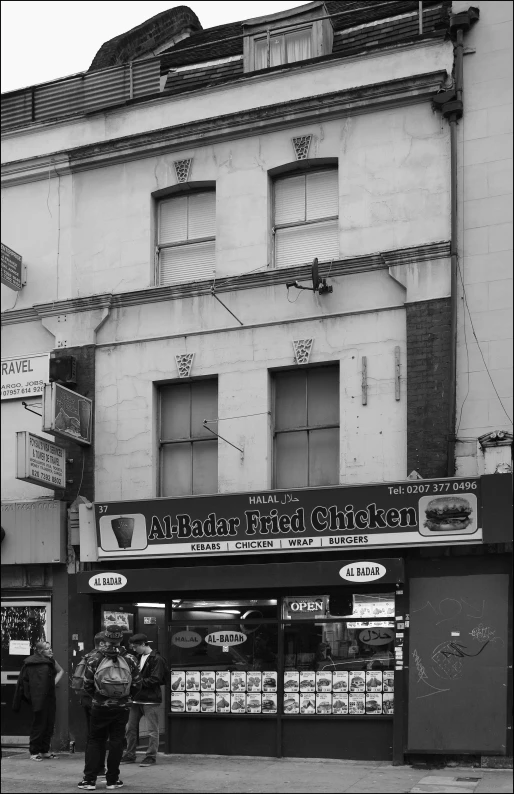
{"x": 186, "y": 238}
{"x": 306, "y": 218}
{"x": 188, "y": 452}
{"x": 306, "y": 427}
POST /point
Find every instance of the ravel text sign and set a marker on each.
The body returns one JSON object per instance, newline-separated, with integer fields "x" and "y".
{"x": 396, "y": 514}
{"x": 24, "y": 376}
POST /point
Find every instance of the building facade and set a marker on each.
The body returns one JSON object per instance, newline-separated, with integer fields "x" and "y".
{"x": 250, "y": 251}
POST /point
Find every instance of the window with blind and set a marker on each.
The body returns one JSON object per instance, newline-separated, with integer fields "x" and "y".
{"x": 188, "y": 451}
{"x": 306, "y": 218}
{"x": 306, "y": 427}
{"x": 186, "y": 237}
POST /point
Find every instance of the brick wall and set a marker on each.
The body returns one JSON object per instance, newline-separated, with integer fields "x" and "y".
{"x": 428, "y": 379}
{"x": 82, "y": 470}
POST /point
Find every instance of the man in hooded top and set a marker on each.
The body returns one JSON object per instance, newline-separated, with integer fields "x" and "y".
{"x": 36, "y": 684}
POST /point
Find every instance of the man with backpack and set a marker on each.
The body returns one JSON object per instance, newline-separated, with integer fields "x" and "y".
{"x": 85, "y": 699}
{"x": 147, "y": 702}
{"x": 111, "y": 677}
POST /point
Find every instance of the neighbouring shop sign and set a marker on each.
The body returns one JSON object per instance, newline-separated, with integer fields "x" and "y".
{"x": 24, "y": 376}
{"x": 39, "y": 461}
{"x": 67, "y": 414}
{"x": 12, "y": 269}
{"x": 436, "y": 512}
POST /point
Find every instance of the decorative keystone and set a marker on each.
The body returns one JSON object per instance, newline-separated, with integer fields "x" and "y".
{"x": 301, "y": 146}
{"x": 302, "y": 350}
{"x": 184, "y": 364}
{"x": 182, "y": 169}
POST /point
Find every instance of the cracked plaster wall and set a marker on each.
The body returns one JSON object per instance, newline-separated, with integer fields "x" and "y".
{"x": 372, "y": 437}
{"x": 393, "y": 187}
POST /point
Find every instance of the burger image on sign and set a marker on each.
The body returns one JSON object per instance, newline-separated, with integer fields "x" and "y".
{"x": 449, "y": 514}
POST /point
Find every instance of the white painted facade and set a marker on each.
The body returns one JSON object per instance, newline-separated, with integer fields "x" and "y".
{"x": 485, "y": 236}
{"x": 87, "y": 233}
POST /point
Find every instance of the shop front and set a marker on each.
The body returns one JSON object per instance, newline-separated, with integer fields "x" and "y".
{"x": 306, "y": 655}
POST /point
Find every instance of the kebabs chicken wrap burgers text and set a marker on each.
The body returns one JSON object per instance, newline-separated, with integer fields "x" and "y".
{"x": 447, "y": 514}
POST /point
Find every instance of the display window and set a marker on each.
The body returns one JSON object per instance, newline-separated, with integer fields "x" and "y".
{"x": 294, "y": 655}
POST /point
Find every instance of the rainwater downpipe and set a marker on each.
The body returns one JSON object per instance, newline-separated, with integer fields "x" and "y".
{"x": 452, "y": 402}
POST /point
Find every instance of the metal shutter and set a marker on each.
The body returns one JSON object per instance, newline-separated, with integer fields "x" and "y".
{"x": 184, "y": 263}
{"x": 298, "y": 245}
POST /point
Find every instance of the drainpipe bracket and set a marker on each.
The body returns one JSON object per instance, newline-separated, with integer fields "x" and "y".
{"x": 453, "y": 108}
{"x": 464, "y": 20}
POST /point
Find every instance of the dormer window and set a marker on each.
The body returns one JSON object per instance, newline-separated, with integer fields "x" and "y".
{"x": 287, "y": 37}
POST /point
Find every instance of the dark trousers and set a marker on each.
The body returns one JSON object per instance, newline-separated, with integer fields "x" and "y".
{"x": 42, "y": 727}
{"x": 87, "y": 711}
{"x": 106, "y": 731}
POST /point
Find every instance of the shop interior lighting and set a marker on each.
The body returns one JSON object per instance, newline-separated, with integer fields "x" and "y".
{"x": 227, "y": 611}
{"x": 150, "y": 605}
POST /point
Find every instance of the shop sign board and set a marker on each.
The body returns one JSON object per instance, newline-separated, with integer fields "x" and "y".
{"x": 24, "y": 376}
{"x": 67, "y": 414}
{"x": 12, "y": 269}
{"x": 106, "y": 582}
{"x": 362, "y": 572}
{"x": 225, "y": 638}
{"x": 433, "y": 512}
{"x": 40, "y": 461}
{"x": 186, "y": 639}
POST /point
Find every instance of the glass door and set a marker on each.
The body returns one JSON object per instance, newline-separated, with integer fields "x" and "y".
{"x": 24, "y": 623}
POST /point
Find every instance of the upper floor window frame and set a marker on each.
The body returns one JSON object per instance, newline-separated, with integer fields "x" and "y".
{"x": 312, "y": 17}
{"x": 166, "y": 245}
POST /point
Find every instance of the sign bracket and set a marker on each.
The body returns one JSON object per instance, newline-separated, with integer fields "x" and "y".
{"x": 38, "y": 405}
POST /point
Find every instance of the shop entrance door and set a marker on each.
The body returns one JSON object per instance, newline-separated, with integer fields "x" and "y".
{"x": 23, "y": 624}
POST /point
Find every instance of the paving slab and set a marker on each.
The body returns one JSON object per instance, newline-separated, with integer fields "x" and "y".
{"x": 195, "y": 774}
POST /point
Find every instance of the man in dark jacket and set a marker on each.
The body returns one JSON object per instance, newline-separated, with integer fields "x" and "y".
{"x": 36, "y": 684}
{"x": 109, "y": 714}
{"x": 86, "y": 700}
{"x": 147, "y": 702}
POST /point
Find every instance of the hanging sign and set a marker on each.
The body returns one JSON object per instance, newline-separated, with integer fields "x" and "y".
{"x": 24, "y": 376}
{"x": 226, "y": 638}
{"x": 39, "y": 461}
{"x": 12, "y": 269}
{"x": 67, "y": 414}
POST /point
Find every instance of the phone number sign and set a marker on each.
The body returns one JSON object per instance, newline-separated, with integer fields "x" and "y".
{"x": 24, "y": 376}
{"x": 40, "y": 461}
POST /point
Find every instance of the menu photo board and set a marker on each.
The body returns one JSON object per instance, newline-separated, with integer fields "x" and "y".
{"x": 67, "y": 414}
{"x": 40, "y": 461}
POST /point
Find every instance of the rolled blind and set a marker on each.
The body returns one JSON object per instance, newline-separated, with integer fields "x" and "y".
{"x": 184, "y": 263}
{"x": 298, "y": 245}
{"x": 322, "y": 194}
{"x": 173, "y": 220}
{"x": 290, "y": 199}
{"x": 202, "y": 215}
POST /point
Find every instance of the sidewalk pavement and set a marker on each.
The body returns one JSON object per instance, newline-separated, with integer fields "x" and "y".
{"x": 221, "y": 774}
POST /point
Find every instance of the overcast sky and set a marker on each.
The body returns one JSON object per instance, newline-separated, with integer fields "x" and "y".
{"x": 46, "y": 40}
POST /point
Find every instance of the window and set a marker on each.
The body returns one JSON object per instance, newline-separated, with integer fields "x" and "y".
{"x": 287, "y": 47}
{"x": 188, "y": 451}
{"x": 186, "y": 237}
{"x": 306, "y": 434}
{"x": 306, "y": 222}
{"x": 287, "y": 37}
